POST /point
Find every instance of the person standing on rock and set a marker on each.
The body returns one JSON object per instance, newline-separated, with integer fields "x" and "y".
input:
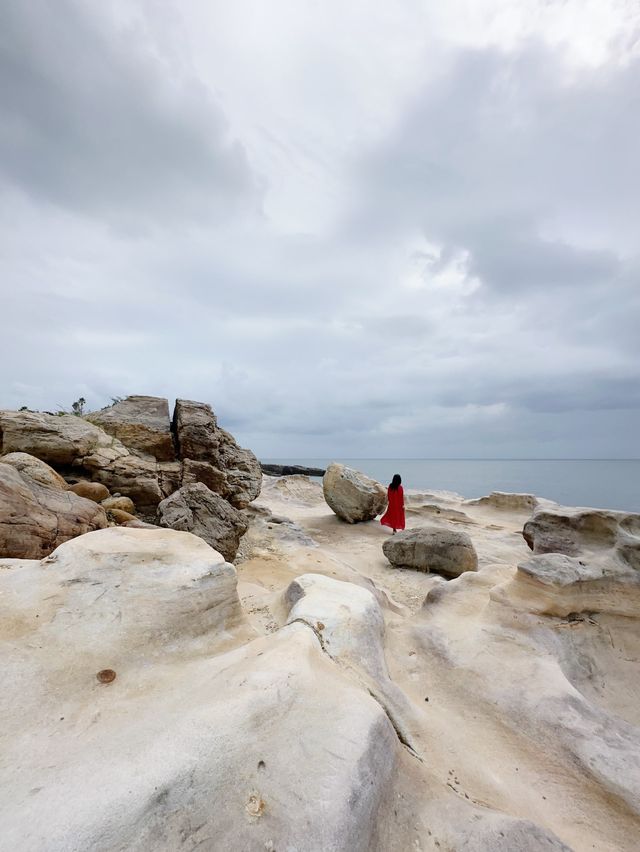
{"x": 394, "y": 516}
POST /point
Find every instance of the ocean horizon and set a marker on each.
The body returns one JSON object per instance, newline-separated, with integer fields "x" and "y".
{"x": 600, "y": 483}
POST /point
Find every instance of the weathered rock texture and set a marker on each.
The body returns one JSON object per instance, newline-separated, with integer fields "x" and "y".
{"x": 585, "y": 560}
{"x": 35, "y": 469}
{"x": 95, "y": 491}
{"x": 142, "y": 423}
{"x": 562, "y": 529}
{"x": 130, "y": 448}
{"x": 35, "y": 519}
{"x": 506, "y": 500}
{"x": 435, "y": 549}
{"x": 200, "y": 439}
{"x": 352, "y": 495}
{"x": 196, "y": 509}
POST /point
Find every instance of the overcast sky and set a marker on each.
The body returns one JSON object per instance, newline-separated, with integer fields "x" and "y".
{"x": 400, "y": 229}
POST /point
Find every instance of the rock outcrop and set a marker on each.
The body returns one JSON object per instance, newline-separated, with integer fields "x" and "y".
{"x": 353, "y": 496}
{"x": 75, "y": 447}
{"x": 434, "y": 549}
{"x": 141, "y": 423}
{"x": 585, "y": 560}
{"x": 196, "y": 509}
{"x": 35, "y": 519}
{"x": 562, "y": 529}
{"x": 130, "y": 448}
{"x": 35, "y": 469}
{"x": 291, "y": 470}
{"x": 200, "y": 439}
{"x": 507, "y": 501}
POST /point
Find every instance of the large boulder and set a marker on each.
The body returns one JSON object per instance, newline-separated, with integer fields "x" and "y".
{"x": 35, "y": 469}
{"x": 196, "y": 509}
{"x": 352, "y": 495}
{"x": 199, "y": 438}
{"x": 433, "y": 549}
{"x": 141, "y": 423}
{"x": 35, "y": 519}
{"x": 201, "y": 471}
{"x": 60, "y": 440}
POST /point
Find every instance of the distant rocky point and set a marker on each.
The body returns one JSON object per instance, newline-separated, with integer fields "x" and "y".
{"x": 290, "y": 470}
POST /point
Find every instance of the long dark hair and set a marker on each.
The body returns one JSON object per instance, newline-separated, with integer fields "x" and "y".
{"x": 395, "y": 482}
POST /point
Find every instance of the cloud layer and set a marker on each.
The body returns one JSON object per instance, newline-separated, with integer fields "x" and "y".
{"x": 371, "y": 235}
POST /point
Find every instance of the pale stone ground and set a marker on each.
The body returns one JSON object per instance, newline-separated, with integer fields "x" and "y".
{"x": 281, "y": 711}
{"x": 525, "y": 714}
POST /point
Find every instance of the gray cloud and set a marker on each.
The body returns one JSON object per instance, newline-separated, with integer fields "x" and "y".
{"x": 477, "y": 292}
{"x": 94, "y": 123}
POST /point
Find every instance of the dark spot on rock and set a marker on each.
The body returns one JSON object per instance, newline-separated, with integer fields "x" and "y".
{"x": 426, "y": 699}
{"x": 261, "y": 765}
{"x": 106, "y": 675}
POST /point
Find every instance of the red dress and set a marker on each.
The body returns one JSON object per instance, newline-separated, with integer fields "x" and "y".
{"x": 394, "y": 516}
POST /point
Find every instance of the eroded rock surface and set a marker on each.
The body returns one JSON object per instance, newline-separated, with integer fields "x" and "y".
{"x": 141, "y": 423}
{"x": 35, "y": 519}
{"x": 433, "y": 549}
{"x": 353, "y": 496}
{"x": 196, "y": 509}
{"x": 35, "y": 469}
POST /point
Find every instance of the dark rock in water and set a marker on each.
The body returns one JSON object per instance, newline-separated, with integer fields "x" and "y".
{"x": 290, "y": 470}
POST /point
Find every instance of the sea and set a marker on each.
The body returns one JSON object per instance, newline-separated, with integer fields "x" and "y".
{"x": 600, "y": 483}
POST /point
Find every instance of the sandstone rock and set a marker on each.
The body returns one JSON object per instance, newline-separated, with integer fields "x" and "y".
{"x": 134, "y": 476}
{"x": 434, "y": 549}
{"x": 199, "y": 438}
{"x": 169, "y": 477}
{"x": 90, "y": 491}
{"x": 196, "y": 430}
{"x": 507, "y": 501}
{"x": 352, "y": 495}
{"x": 196, "y": 509}
{"x": 141, "y": 423}
{"x": 76, "y": 445}
{"x": 35, "y": 469}
{"x": 119, "y": 516}
{"x": 556, "y": 584}
{"x": 123, "y": 504}
{"x": 35, "y": 519}
{"x": 201, "y": 471}
{"x": 242, "y": 470}
{"x": 561, "y": 529}
{"x": 58, "y": 440}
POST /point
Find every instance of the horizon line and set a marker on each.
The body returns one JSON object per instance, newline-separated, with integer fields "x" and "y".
{"x": 458, "y": 458}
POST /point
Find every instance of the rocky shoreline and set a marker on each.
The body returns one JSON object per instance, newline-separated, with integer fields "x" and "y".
{"x": 473, "y": 683}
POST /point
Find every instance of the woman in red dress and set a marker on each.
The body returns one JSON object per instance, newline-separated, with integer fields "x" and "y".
{"x": 394, "y": 516}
